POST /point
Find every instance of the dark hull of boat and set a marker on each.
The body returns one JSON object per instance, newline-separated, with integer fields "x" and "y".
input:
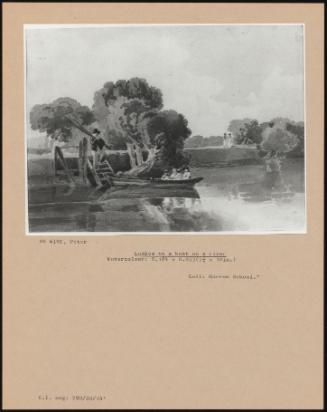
{"x": 123, "y": 181}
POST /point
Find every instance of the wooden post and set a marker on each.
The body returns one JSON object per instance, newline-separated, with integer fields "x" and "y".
{"x": 130, "y": 151}
{"x": 82, "y": 159}
{"x": 60, "y": 157}
{"x": 138, "y": 153}
{"x": 94, "y": 178}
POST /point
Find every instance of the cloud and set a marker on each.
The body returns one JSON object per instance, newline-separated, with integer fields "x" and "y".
{"x": 211, "y": 74}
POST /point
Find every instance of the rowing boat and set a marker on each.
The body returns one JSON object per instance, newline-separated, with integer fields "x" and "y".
{"x": 132, "y": 181}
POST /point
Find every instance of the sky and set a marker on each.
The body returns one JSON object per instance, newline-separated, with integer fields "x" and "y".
{"x": 210, "y": 73}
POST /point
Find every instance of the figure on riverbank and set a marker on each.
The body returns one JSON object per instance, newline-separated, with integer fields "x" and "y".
{"x": 228, "y": 140}
{"x": 98, "y": 146}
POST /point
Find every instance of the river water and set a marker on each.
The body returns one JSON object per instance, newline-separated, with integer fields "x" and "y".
{"x": 231, "y": 199}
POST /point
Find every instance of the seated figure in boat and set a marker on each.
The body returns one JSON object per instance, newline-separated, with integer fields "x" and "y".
{"x": 173, "y": 174}
{"x": 186, "y": 174}
{"x": 165, "y": 175}
{"x": 179, "y": 174}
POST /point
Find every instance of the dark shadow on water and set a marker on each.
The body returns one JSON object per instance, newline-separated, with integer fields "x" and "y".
{"x": 151, "y": 214}
{"x": 183, "y": 214}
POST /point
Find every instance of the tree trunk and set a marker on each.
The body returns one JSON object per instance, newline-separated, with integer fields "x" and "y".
{"x": 144, "y": 168}
{"x": 139, "y": 157}
{"x": 130, "y": 152}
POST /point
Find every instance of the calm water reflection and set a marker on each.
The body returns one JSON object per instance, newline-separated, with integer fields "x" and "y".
{"x": 228, "y": 199}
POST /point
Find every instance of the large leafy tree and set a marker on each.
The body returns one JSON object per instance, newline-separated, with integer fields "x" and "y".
{"x": 168, "y": 131}
{"x": 119, "y": 107}
{"x": 279, "y": 140}
{"x": 283, "y": 135}
{"x": 60, "y": 117}
{"x": 130, "y": 111}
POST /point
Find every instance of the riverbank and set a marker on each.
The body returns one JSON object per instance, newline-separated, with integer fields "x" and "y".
{"x": 213, "y": 156}
{"x": 39, "y": 161}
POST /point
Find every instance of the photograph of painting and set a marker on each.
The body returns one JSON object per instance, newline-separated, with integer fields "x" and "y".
{"x": 162, "y": 128}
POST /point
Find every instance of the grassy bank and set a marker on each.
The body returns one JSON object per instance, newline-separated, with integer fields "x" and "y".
{"x": 220, "y": 156}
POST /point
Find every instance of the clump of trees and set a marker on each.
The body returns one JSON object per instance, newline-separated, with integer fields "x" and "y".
{"x": 129, "y": 112}
{"x": 237, "y": 128}
{"x": 280, "y": 134}
{"x": 120, "y": 107}
{"x": 278, "y": 140}
{"x": 59, "y": 118}
{"x": 247, "y": 131}
{"x": 167, "y": 131}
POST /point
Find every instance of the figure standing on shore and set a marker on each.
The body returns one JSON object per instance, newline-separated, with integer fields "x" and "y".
{"x": 225, "y": 140}
{"x": 230, "y": 140}
{"x": 98, "y": 146}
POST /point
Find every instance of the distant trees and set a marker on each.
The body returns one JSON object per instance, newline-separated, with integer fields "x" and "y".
{"x": 246, "y": 131}
{"x": 194, "y": 141}
{"x": 252, "y": 132}
{"x": 297, "y": 129}
{"x": 60, "y": 117}
{"x": 280, "y": 134}
{"x": 237, "y": 127}
{"x": 201, "y": 141}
